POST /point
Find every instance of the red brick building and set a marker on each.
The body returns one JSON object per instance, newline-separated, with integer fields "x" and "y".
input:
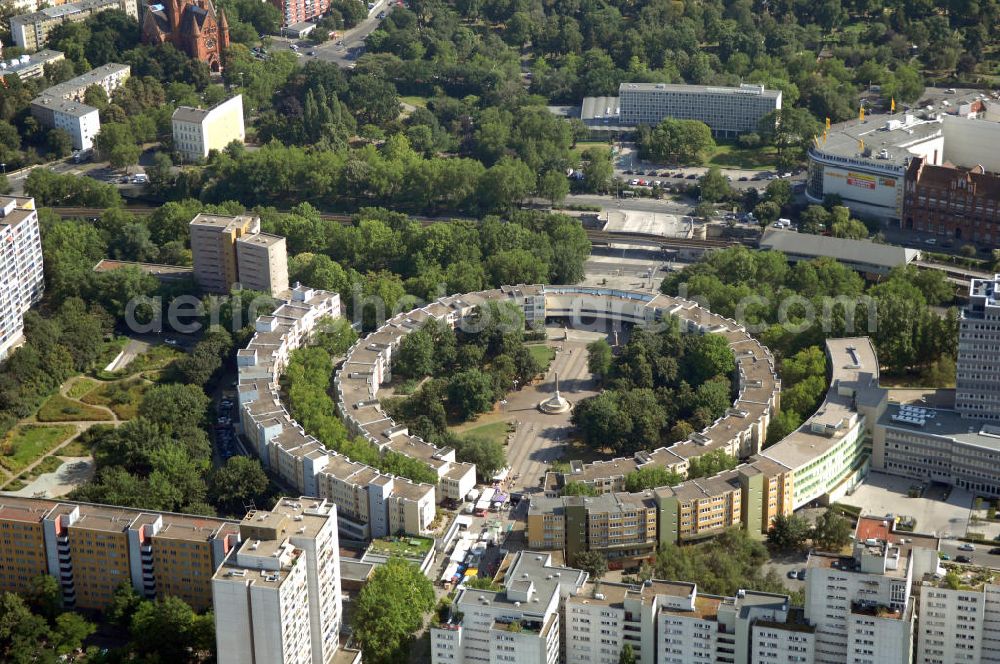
{"x": 953, "y": 202}
{"x": 193, "y": 26}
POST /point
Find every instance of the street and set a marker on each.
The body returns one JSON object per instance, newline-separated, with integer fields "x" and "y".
{"x": 345, "y": 49}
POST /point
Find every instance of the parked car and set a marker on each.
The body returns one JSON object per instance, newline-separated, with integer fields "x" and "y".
{"x": 744, "y": 178}
{"x": 692, "y": 176}
{"x": 963, "y": 559}
{"x": 792, "y": 574}
{"x": 995, "y": 551}
{"x": 967, "y": 546}
{"x": 944, "y": 556}
{"x": 801, "y": 576}
{"x": 930, "y": 240}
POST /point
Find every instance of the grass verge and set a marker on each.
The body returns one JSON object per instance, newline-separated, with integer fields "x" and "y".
{"x": 494, "y": 431}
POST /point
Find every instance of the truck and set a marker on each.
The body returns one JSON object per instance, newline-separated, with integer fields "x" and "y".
{"x": 80, "y": 156}
{"x": 473, "y": 495}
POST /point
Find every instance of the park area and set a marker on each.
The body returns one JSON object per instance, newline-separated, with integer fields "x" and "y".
{"x": 27, "y": 443}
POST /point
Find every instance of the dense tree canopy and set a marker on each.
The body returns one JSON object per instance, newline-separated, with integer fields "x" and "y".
{"x": 390, "y": 610}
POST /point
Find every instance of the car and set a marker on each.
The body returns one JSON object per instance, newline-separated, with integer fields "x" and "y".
{"x": 657, "y": 183}
{"x": 170, "y": 342}
{"x": 744, "y": 178}
{"x": 633, "y": 182}
{"x": 123, "y": 179}
{"x": 963, "y": 559}
{"x": 995, "y": 551}
{"x": 801, "y": 576}
{"x": 950, "y": 91}
{"x": 944, "y": 556}
{"x": 311, "y": 53}
{"x": 678, "y": 175}
{"x": 930, "y": 240}
{"x": 340, "y": 42}
{"x": 792, "y": 574}
{"x": 966, "y": 546}
{"x": 381, "y": 15}
{"x": 294, "y": 47}
{"x": 629, "y": 172}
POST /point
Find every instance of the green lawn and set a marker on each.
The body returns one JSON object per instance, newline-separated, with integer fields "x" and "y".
{"x": 58, "y": 408}
{"x": 582, "y": 146}
{"x": 732, "y": 156}
{"x": 122, "y": 397}
{"x": 543, "y": 354}
{"x": 25, "y": 444}
{"x": 494, "y": 431}
{"x": 80, "y": 387}
{"x": 413, "y": 547}
{"x": 413, "y": 100}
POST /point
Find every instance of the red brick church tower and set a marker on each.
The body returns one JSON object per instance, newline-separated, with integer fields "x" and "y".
{"x": 193, "y": 26}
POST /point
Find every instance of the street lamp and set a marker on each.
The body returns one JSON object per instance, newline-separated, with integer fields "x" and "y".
{"x": 4, "y": 166}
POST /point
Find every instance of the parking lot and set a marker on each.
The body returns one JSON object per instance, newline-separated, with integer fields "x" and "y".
{"x": 940, "y": 511}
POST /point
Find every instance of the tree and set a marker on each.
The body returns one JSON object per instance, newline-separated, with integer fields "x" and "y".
{"x": 714, "y": 187}
{"x": 778, "y": 192}
{"x": 705, "y": 357}
{"x": 238, "y": 482}
{"x": 767, "y": 212}
{"x": 676, "y": 141}
{"x": 416, "y": 355}
{"x": 471, "y": 393}
{"x": 598, "y": 169}
{"x": 579, "y": 489}
{"x": 788, "y": 532}
{"x": 592, "y": 562}
{"x": 506, "y": 183}
{"x": 627, "y": 655}
{"x": 553, "y": 186}
{"x": 789, "y": 129}
{"x": 169, "y": 629}
{"x": 59, "y": 142}
{"x": 599, "y": 357}
{"x": 488, "y": 455}
{"x": 710, "y": 464}
{"x": 832, "y": 531}
{"x": 650, "y": 477}
{"x": 390, "y": 610}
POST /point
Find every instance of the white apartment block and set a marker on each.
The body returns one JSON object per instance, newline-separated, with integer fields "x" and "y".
{"x": 860, "y": 604}
{"x": 31, "y": 31}
{"x": 959, "y": 626}
{"x": 369, "y": 503}
{"x": 30, "y": 65}
{"x": 977, "y": 384}
{"x": 670, "y": 622}
{"x": 728, "y": 112}
{"x": 80, "y": 121}
{"x": 21, "y": 277}
{"x": 277, "y": 598}
{"x": 198, "y": 131}
{"x": 751, "y": 627}
{"x": 61, "y": 106}
{"x": 518, "y": 624}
